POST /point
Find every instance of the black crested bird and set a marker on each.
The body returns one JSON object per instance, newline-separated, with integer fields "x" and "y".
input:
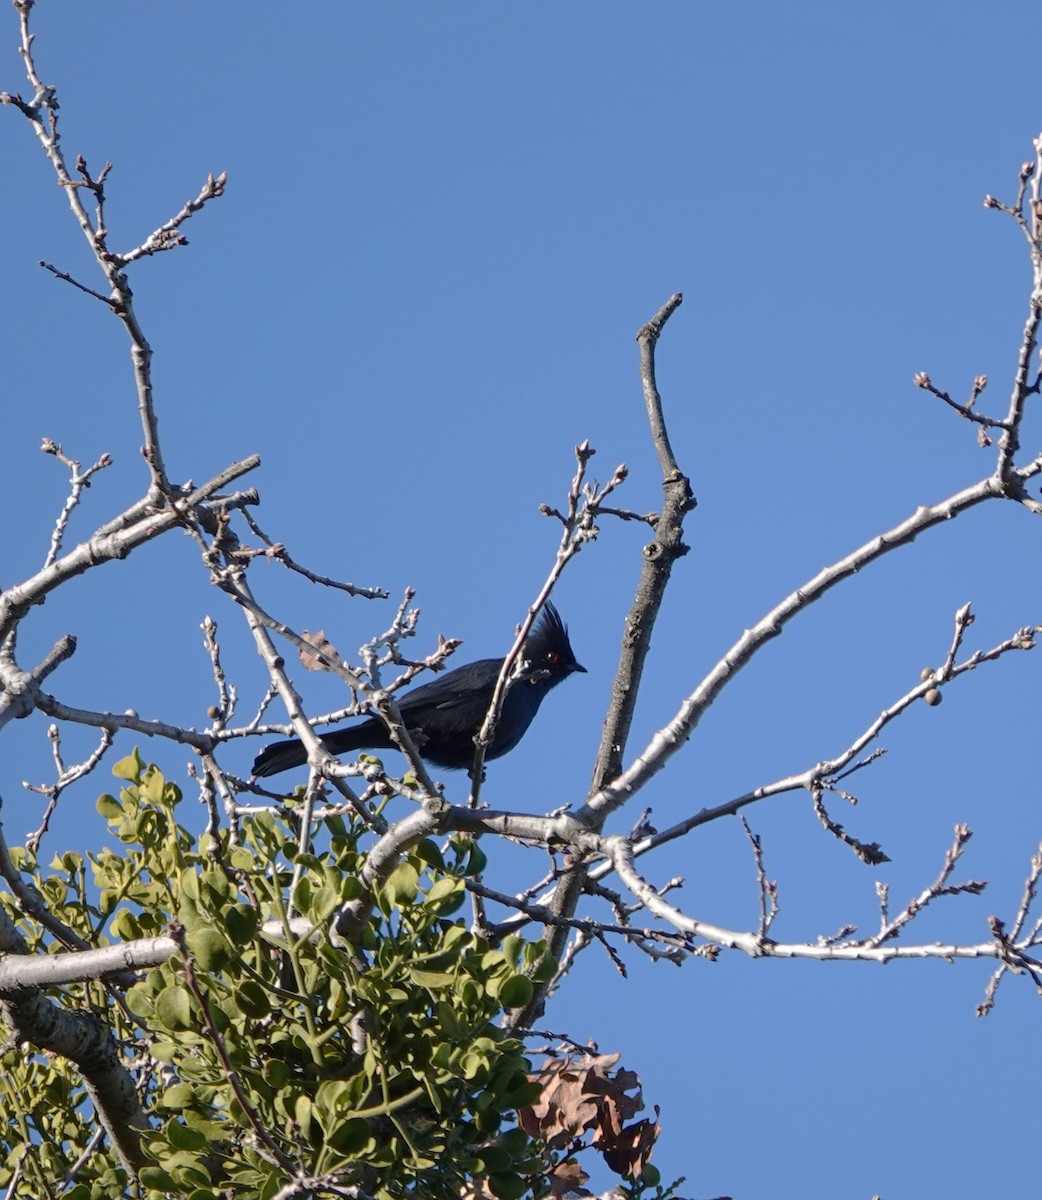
{"x": 444, "y": 716}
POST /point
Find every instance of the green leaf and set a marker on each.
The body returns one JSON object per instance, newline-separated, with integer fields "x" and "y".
{"x": 476, "y": 862}
{"x": 350, "y": 1136}
{"x": 515, "y": 1141}
{"x": 442, "y": 890}
{"x": 438, "y": 959}
{"x": 546, "y": 967}
{"x": 242, "y": 923}
{"x": 141, "y": 999}
{"x": 187, "y": 1172}
{"x": 516, "y": 992}
{"x": 428, "y": 852}
{"x": 403, "y": 883}
{"x": 174, "y": 1008}
{"x": 217, "y": 884}
{"x": 275, "y": 1073}
{"x": 323, "y": 902}
{"x": 242, "y": 859}
{"x": 302, "y": 1111}
{"x": 209, "y": 948}
{"x": 164, "y": 1050}
{"x": 181, "y": 1137}
{"x": 334, "y": 1097}
{"x": 507, "y": 1186}
{"x": 110, "y": 808}
{"x": 302, "y": 893}
{"x": 177, "y": 1097}
{"x": 252, "y": 999}
{"x": 523, "y": 1095}
{"x": 458, "y": 933}
{"x": 513, "y": 948}
{"x": 129, "y": 768}
{"x": 156, "y": 1177}
{"x": 153, "y": 786}
{"x": 449, "y": 1021}
{"x": 125, "y": 926}
{"x": 493, "y": 1159}
{"x": 432, "y": 980}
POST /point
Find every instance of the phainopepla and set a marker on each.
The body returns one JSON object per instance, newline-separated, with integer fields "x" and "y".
{"x": 444, "y": 716}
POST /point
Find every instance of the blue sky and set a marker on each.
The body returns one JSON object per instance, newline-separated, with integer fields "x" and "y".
{"x": 443, "y": 226}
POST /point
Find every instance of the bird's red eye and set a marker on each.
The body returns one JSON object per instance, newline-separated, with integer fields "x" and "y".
{"x": 553, "y": 657}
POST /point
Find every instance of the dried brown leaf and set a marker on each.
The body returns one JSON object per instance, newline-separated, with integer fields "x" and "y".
{"x": 312, "y": 662}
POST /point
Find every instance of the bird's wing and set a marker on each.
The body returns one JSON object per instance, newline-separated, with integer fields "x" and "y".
{"x": 449, "y": 689}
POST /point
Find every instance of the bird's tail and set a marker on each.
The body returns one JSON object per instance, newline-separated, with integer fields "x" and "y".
{"x": 279, "y": 757}
{"x": 284, "y": 756}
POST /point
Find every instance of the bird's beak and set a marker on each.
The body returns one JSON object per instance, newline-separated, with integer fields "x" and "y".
{"x": 579, "y": 667}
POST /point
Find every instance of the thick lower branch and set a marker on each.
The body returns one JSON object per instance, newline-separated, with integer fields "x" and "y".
{"x": 86, "y": 1041}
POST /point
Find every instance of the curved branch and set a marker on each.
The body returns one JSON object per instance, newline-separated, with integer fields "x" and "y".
{"x": 675, "y": 733}
{"x": 111, "y": 542}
